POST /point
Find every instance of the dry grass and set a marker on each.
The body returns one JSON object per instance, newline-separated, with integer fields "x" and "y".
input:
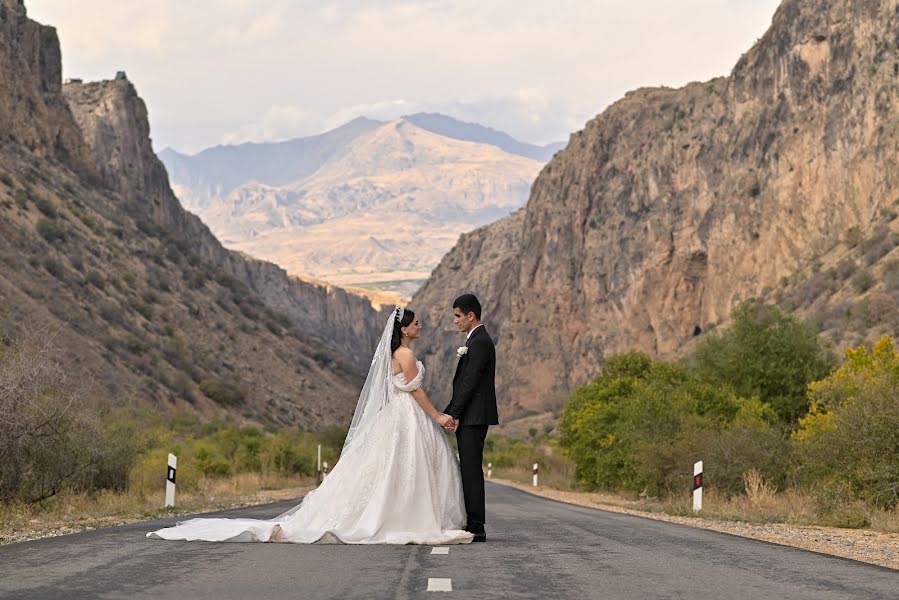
{"x": 760, "y": 503}
{"x": 559, "y": 478}
{"x": 70, "y": 512}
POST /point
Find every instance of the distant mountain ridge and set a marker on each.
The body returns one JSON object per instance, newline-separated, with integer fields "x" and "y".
{"x": 375, "y": 205}
{"x": 218, "y": 170}
{"x": 472, "y": 132}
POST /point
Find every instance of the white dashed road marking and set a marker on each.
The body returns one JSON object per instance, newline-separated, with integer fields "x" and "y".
{"x": 439, "y": 584}
{"x": 440, "y": 550}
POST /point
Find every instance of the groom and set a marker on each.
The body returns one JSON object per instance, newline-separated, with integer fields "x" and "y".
{"x": 473, "y": 406}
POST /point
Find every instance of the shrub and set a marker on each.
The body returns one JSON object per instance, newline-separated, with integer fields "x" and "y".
{"x": 849, "y": 440}
{"x": 95, "y": 279}
{"x": 626, "y": 429}
{"x": 144, "y": 309}
{"x": 845, "y": 269}
{"x": 853, "y": 237}
{"x": 55, "y": 268}
{"x": 209, "y": 464}
{"x": 21, "y": 197}
{"x": 49, "y": 439}
{"x": 878, "y": 245}
{"x": 818, "y": 284}
{"x": 765, "y": 354}
{"x": 877, "y": 308}
{"x": 135, "y": 345}
{"x": 891, "y": 280}
{"x": 290, "y": 454}
{"x": 111, "y": 313}
{"x": 88, "y": 221}
{"x": 46, "y": 207}
{"x": 51, "y": 231}
{"x": 863, "y": 281}
{"x": 224, "y": 392}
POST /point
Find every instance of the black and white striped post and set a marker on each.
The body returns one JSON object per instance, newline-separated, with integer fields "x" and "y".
{"x": 170, "y": 481}
{"x": 324, "y": 470}
{"x": 535, "y": 474}
{"x": 489, "y": 470}
{"x": 318, "y": 469}
{"x": 697, "y": 487}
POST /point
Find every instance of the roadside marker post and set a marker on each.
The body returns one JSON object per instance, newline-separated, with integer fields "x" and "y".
{"x": 697, "y": 487}
{"x": 170, "y": 481}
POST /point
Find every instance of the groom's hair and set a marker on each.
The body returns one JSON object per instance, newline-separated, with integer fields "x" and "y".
{"x": 468, "y": 303}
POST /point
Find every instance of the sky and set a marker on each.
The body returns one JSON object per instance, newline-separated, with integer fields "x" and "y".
{"x": 229, "y": 71}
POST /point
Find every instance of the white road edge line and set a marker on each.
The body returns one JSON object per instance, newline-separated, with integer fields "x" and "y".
{"x": 440, "y": 550}
{"x": 440, "y": 584}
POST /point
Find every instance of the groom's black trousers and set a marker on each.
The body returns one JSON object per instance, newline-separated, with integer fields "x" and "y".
{"x": 470, "y": 440}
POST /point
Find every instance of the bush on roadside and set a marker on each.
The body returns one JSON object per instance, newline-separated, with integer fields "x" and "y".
{"x": 849, "y": 442}
{"x": 641, "y": 425}
{"x": 765, "y": 354}
{"x": 50, "y": 440}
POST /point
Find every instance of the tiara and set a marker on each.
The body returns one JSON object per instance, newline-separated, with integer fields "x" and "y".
{"x": 400, "y": 312}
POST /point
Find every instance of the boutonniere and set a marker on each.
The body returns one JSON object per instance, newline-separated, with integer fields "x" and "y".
{"x": 462, "y": 351}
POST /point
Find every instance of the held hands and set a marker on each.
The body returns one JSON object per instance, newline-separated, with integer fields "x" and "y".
{"x": 447, "y": 422}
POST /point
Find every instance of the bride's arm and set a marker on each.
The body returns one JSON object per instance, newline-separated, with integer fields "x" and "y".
{"x": 410, "y": 369}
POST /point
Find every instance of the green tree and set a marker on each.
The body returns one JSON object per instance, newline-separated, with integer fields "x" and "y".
{"x": 626, "y": 429}
{"x": 765, "y": 354}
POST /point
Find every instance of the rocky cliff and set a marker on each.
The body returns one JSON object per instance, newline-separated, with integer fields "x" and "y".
{"x": 33, "y": 112}
{"x": 142, "y": 299}
{"x": 114, "y": 121}
{"x": 673, "y": 205}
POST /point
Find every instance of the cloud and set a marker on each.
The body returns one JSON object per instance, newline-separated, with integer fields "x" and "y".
{"x": 278, "y": 123}
{"x": 233, "y": 69}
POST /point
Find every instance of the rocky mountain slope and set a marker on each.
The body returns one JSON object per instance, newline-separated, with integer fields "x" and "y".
{"x": 142, "y": 299}
{"x": 674, "y": 205}
{"x": 380, "y": 211}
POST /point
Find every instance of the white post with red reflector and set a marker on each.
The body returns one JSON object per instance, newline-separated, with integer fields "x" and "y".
{"x": 489, "y": 470}
{"x": 535, "y": 474}
{"x": 697, "y": 487}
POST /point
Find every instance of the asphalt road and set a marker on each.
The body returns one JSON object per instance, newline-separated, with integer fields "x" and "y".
{"x": 537, "y": 548}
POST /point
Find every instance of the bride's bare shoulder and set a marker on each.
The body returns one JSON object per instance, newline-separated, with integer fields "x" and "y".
{"x": 403, "y": 353}
{"x": 405, "y": 357}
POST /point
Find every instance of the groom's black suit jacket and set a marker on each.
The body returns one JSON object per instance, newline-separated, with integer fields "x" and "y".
{"x": 474, "y": 391}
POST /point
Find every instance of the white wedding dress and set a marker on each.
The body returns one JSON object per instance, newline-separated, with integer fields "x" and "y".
{"x": 397, "y": 481}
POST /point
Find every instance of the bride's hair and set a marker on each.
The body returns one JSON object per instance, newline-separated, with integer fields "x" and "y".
{"x": 397, "y": 340}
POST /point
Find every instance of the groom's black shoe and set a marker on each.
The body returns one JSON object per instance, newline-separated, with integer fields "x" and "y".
{"x": 480, "y": 537}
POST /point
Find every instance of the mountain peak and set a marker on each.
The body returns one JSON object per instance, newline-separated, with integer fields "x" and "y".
{"x": 472, "y": 132}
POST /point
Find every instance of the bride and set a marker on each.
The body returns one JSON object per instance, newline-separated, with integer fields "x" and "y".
{"x": 397, "y": 480}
